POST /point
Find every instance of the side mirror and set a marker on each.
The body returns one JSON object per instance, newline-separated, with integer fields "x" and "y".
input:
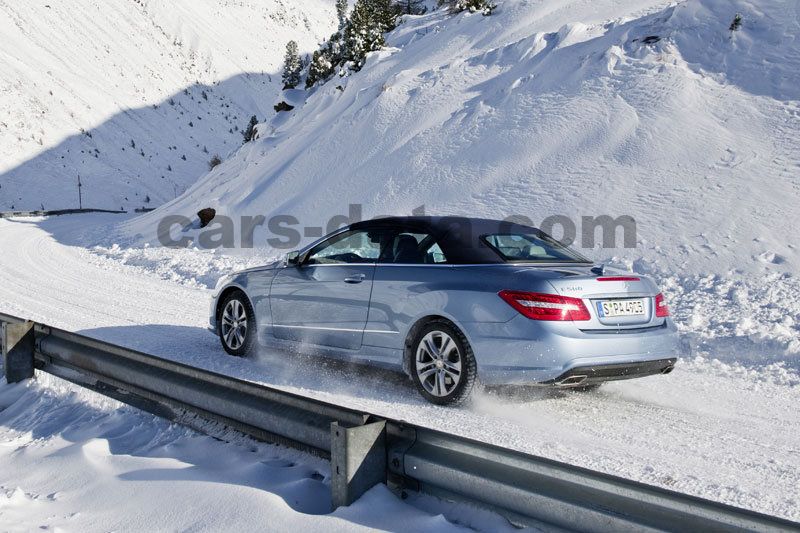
{"x": 293, "y": 258}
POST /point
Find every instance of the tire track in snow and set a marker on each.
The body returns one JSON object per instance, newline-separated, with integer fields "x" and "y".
{"x": 39, "y": 274}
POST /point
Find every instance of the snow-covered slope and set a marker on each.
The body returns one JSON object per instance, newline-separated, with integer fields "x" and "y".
{"x": 71, "y": 460}
{"x": 135, "y": 96}
{"x": 579, "y": 107}
{"x": 638, "y": 108}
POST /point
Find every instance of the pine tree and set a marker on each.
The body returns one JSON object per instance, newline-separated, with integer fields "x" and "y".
{"x": 486, "y": 7}
{"x": 369, "y": 20}
{"x": 324, "y": 61}
{"x": 292, "y": 66}
{"x": 737, "y": 22}
{"x": 341, "y": 13}
{"x": 411, "y": 7}
{"x": 250, "y": 130}
{"x": 321, "y": 67}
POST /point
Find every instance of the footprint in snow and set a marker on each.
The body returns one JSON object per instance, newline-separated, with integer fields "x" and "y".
{"x": 771, "y": 258}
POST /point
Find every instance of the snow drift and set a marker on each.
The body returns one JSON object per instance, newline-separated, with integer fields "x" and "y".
{"x": 72, "y": 460}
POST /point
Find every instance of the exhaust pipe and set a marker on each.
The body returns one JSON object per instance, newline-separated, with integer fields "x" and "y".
{"x": 667, "y": 369}
{"x": 572, "y": 381}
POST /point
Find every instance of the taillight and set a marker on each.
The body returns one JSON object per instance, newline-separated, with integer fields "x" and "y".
{"x": 662, "y": 309}
{"x": 540, "y": 306}
{"x": 618, "y": 278}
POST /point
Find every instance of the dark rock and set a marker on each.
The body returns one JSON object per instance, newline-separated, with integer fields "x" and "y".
{"x": 206, "y": 215}
{"x": 651, "y": 39}
{"x": 282, "y": 106}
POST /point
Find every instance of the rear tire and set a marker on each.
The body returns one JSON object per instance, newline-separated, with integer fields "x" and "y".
{"x": 236, "y": 324}
{"x": 443, "y": 365}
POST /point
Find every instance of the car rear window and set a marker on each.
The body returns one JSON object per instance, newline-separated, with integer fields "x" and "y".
{"x": 531, "y": 248}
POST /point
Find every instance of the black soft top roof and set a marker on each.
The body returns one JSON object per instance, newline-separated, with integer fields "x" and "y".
{"x": 459, "y": 237}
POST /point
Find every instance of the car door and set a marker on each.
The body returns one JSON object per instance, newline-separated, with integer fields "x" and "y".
{"x": 406, "y": 284}
{"x": 324, "y": 300}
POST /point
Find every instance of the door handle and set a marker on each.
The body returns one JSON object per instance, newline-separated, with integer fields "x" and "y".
{"x": 355, "y": 278}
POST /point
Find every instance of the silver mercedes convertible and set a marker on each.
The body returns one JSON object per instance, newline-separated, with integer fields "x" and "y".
{"x": 449, "y": 301}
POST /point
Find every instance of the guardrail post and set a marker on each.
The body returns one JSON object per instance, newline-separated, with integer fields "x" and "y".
{"x": 358, "y": 461}
{"x": 18, "y": 346}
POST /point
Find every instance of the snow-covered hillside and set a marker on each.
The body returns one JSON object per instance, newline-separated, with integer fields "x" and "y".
{"x": 136, "y": 96}
{"x": 643, "y": 108}
{"x": 648, "y": 108}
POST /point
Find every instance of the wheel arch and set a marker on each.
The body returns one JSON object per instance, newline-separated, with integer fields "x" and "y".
{"x": 230, "y": 289}
{"x": 413, "y": 330}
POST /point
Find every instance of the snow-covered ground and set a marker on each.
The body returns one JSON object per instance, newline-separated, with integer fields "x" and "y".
{"x": 137, "y": 96}
{"x": 71, "y": 460}
{"x": 648, "y": 108}
{"x": 715, "y": 427}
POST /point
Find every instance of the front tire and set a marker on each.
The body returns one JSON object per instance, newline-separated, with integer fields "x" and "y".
{"x": 443, "y": 365}
{"x": 236, "y": 324}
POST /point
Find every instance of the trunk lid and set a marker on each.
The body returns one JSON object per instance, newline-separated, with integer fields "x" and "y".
{"x": 613, "y": 300}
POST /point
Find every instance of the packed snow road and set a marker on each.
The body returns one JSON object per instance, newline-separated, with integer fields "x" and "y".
{"x": 727, "y": 436}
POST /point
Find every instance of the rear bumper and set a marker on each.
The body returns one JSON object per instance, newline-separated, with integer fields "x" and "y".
{"x": 589, "y": 375}
{"x": 524, "y": 352}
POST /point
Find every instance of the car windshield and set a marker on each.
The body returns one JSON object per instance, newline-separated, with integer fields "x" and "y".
{"x": 532, "y": 248}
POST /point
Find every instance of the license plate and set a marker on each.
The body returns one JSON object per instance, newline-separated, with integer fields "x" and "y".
{"x": 615, "y": 308}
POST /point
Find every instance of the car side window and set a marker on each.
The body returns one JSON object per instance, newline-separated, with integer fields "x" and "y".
{"x": 347, "y": 247}
{"x": 412, "y": 248}
{"x": 529, "y": 247}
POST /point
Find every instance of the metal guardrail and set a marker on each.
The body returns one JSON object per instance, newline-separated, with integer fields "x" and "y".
{"x": 9, "y": 319}
{"x": 366, "y": 449}
{"x": 53, "y": 212}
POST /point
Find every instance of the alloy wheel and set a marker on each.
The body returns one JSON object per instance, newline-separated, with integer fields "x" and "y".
{"x": 234, "y": 324}
{"x": 438, "y": 363}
